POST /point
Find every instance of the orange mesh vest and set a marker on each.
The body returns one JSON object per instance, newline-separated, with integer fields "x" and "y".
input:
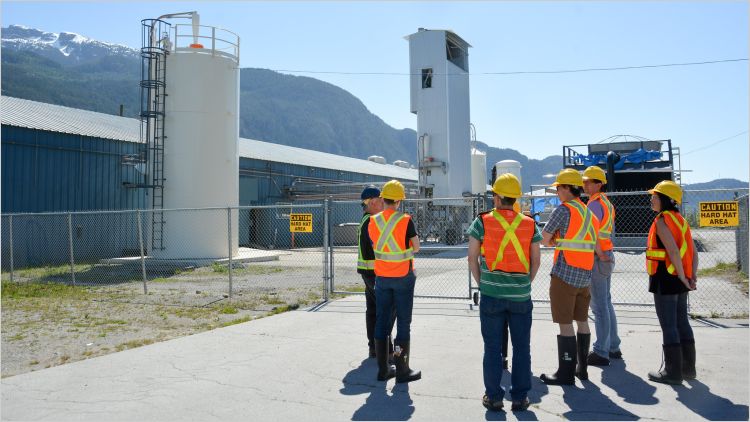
{"x": 607, "y": 223}
{"x": 580, "y": 239}
{"x": 387, "y": 232}
{"x": 680, "y": 230}
{"x": 507, "y": 241}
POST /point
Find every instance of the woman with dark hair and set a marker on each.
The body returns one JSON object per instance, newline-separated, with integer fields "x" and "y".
{"x": 672, "y": 265}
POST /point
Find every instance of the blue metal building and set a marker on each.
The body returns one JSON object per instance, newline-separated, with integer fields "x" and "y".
{"x": 60, "y": 159}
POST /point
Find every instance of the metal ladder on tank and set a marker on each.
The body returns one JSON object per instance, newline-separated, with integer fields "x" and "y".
{"x": 153, "y": 96}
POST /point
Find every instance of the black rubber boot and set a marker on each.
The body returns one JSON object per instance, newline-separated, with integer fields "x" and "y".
{"x": 688, "y": 359}
{"x": 566, "y": 361}
{"x": 385, "y": 370}
{"x": 401, "y": 359}
{"x": 582, "y": 342}
{"x": 672, "y": 372}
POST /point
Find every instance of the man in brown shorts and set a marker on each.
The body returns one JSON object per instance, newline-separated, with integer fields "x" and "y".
{"x": 572, "y": 230}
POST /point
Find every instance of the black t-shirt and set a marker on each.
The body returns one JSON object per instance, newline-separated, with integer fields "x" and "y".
{"x": 662, "y": 282}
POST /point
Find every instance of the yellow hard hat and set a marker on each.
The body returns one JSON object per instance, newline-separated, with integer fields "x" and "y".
{"x": 595, "y": 172}
{"x": 669, "y": 188}
{"x": 568, "y": 177}
{"x": 507, "y": 185}
{"x": 393, "y": 190}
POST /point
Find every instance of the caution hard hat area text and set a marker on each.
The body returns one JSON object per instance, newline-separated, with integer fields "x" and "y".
{"x": 719, "y": 214}
{"x": 300, "y": 223}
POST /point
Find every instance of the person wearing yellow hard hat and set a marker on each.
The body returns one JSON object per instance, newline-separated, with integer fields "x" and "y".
{"x": 572, "y": 230}
{"x": 395, "y": 241}
{"x": 504, "y": 258}
{"x": 607, "y": 344}
{"x": 672, "y": 266}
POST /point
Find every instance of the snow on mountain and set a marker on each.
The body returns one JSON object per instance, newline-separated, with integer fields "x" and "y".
{"x": 66, "y": 48}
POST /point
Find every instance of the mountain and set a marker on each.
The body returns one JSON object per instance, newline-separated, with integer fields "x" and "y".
{"x": 65, "y": 48}
{"x": 75, "y": 71}
{"x": 718, "y": 184}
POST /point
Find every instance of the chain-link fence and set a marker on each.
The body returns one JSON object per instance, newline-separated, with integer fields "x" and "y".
{"x": 175, "y": 257}
{"x": 300, "y": 253}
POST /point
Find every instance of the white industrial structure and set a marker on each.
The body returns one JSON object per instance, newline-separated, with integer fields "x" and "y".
{"x": 508, "y": 166}
{"x": 198, "y": 165}
{"x": 439, "y": 86}
{"x": 478, "y": 172}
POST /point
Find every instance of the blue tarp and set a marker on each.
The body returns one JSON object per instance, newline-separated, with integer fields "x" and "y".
{"x": 638, "y": 156}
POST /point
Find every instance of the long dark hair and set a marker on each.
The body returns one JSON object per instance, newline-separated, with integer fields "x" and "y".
{"x": 666, "y": 203}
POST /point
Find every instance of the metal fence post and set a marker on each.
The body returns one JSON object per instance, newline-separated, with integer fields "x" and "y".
{"x": 331, "y": 272}
{"x": 229, "y": 246}
{"x": 326, "y": 241}
{"x": 70, "y": 248}
{"x": 143, "y": 258}
{"x": 10, "y": 235}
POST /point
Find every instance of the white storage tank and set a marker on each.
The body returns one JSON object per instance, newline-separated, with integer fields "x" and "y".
{"x": 509, "y": 166}
{"x": 376, "y": 159}
{"x": 201, "y": 161}
{"x": 478, "y": 172}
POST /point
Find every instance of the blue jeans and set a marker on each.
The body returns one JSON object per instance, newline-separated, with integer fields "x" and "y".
{"x": 673, "y": 317}
{"x": 493, "y": 313}
{"x": 607, "y": 339}
{"x": 393, "y": 292}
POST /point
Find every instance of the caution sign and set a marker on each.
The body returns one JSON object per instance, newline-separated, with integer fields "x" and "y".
{"x": 300, "y": 223}
{"x": 719, "y": 214}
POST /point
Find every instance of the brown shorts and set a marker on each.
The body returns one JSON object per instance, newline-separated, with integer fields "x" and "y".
{"x": 568, "y": 303}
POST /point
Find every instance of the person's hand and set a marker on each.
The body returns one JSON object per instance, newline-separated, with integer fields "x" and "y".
{"x": 684, "y": 280}
{"x": 693, "y": 283}
{"x": 604, "y": 257}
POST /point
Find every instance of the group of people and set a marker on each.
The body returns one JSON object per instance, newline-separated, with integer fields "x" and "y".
{"x": 504, "y": 258}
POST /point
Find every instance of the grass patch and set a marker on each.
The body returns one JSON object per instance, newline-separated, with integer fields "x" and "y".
{"x": 36, "y": 290}
{"x": 236, "y": 321}
{"x": 228, "y": 310}
{"x": 354, "y": 288}
{"x": 47, "y": 271}
{"x": 727, "y": 271}
{"x": 133, "y": 344}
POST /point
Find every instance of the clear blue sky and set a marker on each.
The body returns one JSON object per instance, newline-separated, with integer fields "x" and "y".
{"x": 698, "y": 107}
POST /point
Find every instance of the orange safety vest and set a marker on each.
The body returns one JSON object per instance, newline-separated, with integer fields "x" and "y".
{"x": 607, "y": 222}
{"x": 580, "y": 239}
{"x": 683, "y": 238}
{"x": 387, "y": 231}
{"x": 501, "y": 228}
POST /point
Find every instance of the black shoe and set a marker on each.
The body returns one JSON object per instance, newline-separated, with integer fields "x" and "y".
{"x": 492, "y": 405}
{"x": 385, "y": 370}
{"x": 401, "y": 357}
{"x": 615, "y": 355}
{"x": 519, "y": 406}
{"x": 596, "y": 360}
{"x": 688, "y": 359}
{"x": 582, "y": 344}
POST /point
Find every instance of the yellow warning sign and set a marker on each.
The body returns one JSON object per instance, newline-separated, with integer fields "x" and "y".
{"x": 300, "y": 223}
{"x": 719, "y": 214}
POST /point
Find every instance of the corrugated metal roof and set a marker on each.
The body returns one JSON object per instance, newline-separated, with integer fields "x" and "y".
{"x": 54, "y": 118}
{"x": 42, "y": 116}
{"x": 267, "y": 151}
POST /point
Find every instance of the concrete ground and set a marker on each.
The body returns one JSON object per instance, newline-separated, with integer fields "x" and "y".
{"x": 311, "y": 365}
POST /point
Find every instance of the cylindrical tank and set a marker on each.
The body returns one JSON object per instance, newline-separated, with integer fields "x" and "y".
{"x": 509, "y": 166}
{"x": 376, "y": 159}
{"x": 201, "y": 161}
{"x": 478, "y": 172}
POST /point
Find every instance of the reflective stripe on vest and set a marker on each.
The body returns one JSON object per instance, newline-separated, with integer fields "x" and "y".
{"x": 362, "y": 263}
{"x": 677, "y": 225}
{"x": 578, "y": 248}
{"x": 508, "y": 237}
{"x": 607, "y": 223}
{"x": 395, "y": 252}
